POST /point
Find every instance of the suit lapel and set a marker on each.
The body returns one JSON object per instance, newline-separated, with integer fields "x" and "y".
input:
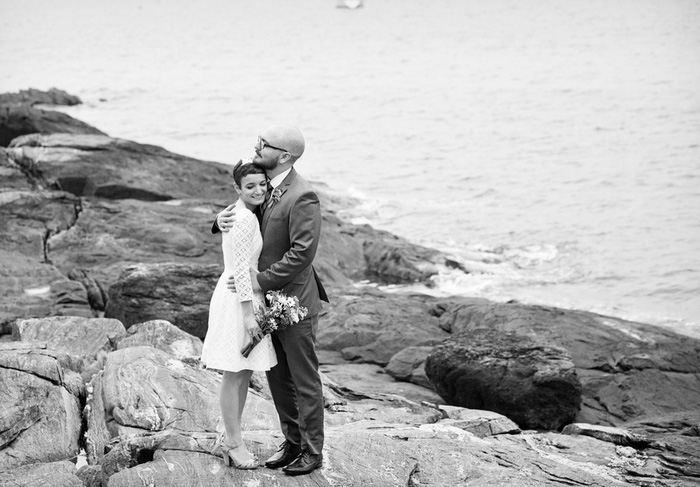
{"x": 283, "y": 187}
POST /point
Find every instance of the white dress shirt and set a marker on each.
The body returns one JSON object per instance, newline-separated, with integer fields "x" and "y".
{"x": 277, "y": 180}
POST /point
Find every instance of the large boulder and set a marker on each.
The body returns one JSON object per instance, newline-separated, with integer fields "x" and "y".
{"x": 16, "y": 121}
{"x": 32, "y": 96}
{"x": 110, "y": 236}
{"x": 628, "y": 370}
{"x": 40, "y": 420}
{"x": 52, "y": 474}
{"x": 372, "y": 453}
{"x": 478, "y": 422}
{"x": 367, "y": 325}
{"x": 18, "y": 117}
{"x": 530, "y": 382}
{"x": 31, "y": 286}
{"x": 143, "y": 389}
{"x": 178, "y": 293}
{"x": 27, "y": 288}
{"x": 362, "y": 252}
{"x": 29, "y": 217}
{"x": 409, "y": 365}
{"x": 675, "y": 445}
{"x": 77, "y": 336}
{"x": 86, "y": 339}
{"x": 11, "y": 175}
{"x": 373, "y": 379}
{"x": 97, "y": 165}
{"x": 160, "y": 433}
{"x": 163, "y": 335}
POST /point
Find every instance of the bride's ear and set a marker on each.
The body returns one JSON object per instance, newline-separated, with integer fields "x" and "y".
{"x": 237, "y": 189}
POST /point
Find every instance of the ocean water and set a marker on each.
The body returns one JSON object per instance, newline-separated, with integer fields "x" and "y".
{"x": 551, "y": 146}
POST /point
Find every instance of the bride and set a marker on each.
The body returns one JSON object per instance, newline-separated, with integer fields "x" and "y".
{"x": 232, "y": 315}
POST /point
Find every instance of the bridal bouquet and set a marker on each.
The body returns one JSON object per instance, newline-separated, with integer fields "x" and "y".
{"x": 283, "y": 311}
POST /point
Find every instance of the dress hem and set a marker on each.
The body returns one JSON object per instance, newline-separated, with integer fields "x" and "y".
{"x": 229, "y": 369}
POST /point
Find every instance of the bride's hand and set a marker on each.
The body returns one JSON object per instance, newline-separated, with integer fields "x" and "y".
{"x": 254, "y": 330}
{"x": 251, "y": 323}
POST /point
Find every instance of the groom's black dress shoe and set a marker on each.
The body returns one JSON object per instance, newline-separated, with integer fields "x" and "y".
{"x": 286, "y": 453}
{"x": 304, "y": 463}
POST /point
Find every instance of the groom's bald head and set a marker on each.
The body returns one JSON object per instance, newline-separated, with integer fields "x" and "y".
{"x": 286, "y": 137}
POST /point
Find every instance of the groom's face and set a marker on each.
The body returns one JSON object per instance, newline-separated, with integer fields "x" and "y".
{"x": 266, "y": 161}
{"x": 267, "y": 154}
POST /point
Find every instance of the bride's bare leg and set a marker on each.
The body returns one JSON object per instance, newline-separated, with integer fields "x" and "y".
{"x": 234, "y": 391}
{"x": 243, "y": 395}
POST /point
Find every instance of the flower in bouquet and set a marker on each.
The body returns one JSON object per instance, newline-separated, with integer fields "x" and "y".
{"x": 282, "y": 311}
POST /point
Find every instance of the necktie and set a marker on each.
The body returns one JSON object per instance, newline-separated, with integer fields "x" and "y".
{"x": 268, "y": 194}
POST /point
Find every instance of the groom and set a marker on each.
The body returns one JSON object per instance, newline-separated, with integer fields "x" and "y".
{"x": 291, "y": 227}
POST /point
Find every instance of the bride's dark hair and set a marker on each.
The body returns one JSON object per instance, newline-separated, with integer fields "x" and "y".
{"x": 242, "y": 169}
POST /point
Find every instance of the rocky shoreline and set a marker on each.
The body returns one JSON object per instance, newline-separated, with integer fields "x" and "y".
{"x": 107, "y": 270}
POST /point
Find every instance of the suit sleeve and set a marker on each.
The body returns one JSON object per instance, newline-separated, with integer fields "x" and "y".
{"x": 304, "y": 233}
{"x": 242, "y": 235}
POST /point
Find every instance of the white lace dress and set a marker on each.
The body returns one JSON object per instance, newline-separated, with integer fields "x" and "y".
{"x": 227, "y": 335}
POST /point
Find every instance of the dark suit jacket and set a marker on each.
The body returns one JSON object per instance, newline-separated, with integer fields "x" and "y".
{"x": 291, "y": 228}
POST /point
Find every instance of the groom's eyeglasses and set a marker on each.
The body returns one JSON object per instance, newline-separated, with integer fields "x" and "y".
{"x": 262, "y": 143}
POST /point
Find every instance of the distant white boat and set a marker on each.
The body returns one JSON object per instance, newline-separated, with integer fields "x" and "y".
{"x": 349, "y": 3}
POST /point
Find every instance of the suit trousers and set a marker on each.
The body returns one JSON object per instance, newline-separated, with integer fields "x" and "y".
{"x": 296, "y": 385}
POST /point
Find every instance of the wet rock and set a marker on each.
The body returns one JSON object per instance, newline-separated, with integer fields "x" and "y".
{"x": 142, "y": 389}
{"x": 110, "y": 236}
{"x": 349, "y": 252}
{"x": 25, "y": 287}
{"x": 96, "y": 294}
{"x": 11, "y": 175}
{"x": 32, "y": 96}
{"x": 29, "y": 218}
{"x": 53, "y": 474}
{"x": 675, "y": 446}
{"x": 97, "y": 165}
{"x": 394, "y": 260}
{"x": 619, "y": 436}
{"x": 17, "y": 121}
{"x": 178, "y": 293}
{"x": 372, "y": 453}
{"x": 369, "y": 326}
{"x": 478, "y": 422}
{"x": 164, "y": 336}
{"x": 70, "y": 298}
{"x": 81, "y": 337}
{"x": 409, "y": 365}
{"x": 382, "y": 408}
{"x": 40, "y": 420}
{"x": 85, "y": 339}
{"x": 628, "y": 370}
{"x": 371, "y": 379}
{"x": 531, "y": 383}
{"x": 91, "y": 475}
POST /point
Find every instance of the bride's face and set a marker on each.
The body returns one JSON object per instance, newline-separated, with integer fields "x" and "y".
{"x": 252, "y": 190}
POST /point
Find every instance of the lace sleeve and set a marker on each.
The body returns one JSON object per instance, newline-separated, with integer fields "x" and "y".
{"x": 242, "y": 241}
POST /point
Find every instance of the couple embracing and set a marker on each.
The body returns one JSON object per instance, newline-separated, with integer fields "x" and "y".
{"x": 269, "y": 240}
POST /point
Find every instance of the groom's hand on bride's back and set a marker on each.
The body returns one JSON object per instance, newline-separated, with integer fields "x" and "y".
{"x": 225, "y": 219}
{"x": 231, "y": 282}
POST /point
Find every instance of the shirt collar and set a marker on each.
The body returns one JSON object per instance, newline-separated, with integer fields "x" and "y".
{"x": 277, "y": 180}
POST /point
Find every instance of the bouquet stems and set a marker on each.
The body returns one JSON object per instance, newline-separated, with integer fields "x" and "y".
{"x": 250, "y": 346}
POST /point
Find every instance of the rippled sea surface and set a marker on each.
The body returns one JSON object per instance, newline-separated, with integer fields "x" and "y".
{"x": 552, "y": 146}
